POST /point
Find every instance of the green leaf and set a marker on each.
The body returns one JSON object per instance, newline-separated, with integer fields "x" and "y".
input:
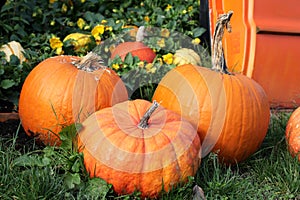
{"x": 197, "y": 32}
{"x": 31, "y": 161}
{"x": 7, "y": 83}
{"x": 128, "y": 59}
{"x": 68, "y": 135}
{"x": 71, "y": 180}
{"x": 97, "y": 188}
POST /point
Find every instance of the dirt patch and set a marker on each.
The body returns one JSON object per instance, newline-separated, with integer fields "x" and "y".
{"x": 11, "y": 131}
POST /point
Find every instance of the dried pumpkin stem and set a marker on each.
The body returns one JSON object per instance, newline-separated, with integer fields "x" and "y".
{"x": 143, "y": 124}
{"x": 90, "y": 62}
{"x": 218, "y": 59}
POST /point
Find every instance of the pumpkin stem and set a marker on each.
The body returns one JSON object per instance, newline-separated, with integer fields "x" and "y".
{"x": 143, "y": 124}
{"x": 90, "y": 62}
{"x": 140, "y": 34}
{"x": 218, "y": 60}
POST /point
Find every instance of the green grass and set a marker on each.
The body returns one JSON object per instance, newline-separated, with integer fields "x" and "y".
{"x": 58, "y": 173}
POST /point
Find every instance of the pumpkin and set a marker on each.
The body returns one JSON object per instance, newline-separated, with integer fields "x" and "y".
{"x": 136, "y": 48}
{"x": 136, "y": 146}
{"x": 80, "y": 41}
{"x": 231, "y": 111}
{"x": 62, "y": 90}
{"x": 13, "y": 48}
{"x": 186, "y": 56}
{"x": 292, "y": 133}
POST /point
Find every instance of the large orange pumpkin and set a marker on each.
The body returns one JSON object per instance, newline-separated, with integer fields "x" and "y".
{"x": 58, "y": 92}
{"x": 231, "y": 112}
{"x": 137, "y": 152}
{"x": 292, "y": 133}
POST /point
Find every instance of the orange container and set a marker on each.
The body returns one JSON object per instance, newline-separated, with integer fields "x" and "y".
{"x": 264, "y": 44}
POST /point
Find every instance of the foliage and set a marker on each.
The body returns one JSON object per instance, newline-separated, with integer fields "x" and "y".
{"x": 35, "y": 23}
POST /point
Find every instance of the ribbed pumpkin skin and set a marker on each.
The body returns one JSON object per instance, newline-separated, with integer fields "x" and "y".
{"x": 13, "y": 48}
{"x": 136, "y": 49}
{"x": 55, "y": 93}
{"x": 292, "y": 133}
{"x": 230, "y": 112}
{"x": 131, "y": 158}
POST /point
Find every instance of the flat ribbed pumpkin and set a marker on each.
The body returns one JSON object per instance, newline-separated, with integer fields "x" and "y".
{"x": 230, "y": 111}
{"x": 13, "y": 48}
{"x": 62, "y": 90}
{"x": 292, "y": 133}
{"x": 136, "y": 146}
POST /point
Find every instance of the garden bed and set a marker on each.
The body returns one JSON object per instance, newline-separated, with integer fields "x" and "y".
{"x": 31, "y": 170}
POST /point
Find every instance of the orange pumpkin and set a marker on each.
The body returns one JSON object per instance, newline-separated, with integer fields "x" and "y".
{"x": 137, "y": 148}
{"x": 136, "y": 48}
{"x": 59, "y": 92}
{"x": 231, "y": 112}
{"x": 292, "y": 133}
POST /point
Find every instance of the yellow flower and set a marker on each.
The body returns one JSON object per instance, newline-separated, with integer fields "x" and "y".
{"x": 87, "y": 27}
{"x": 52, "y": 1}
{"x": 184, "y": 12}
{"x": 52, "y": 23}
{"x": 141, "y": 64}
{"x": 160, "y": 61}
{"x": 103, "y": 21}
{"x": 146, "y": 19}
{"x": 196, "y": 41}
{"x": 56, "y": 44}
{"x": 59, "y": 51}
{"x": 64, "y": 8}
{"x": 97, "y": 32}
{"x": 82, "y": 1}
{"x": 149, "y": 68}
{"x": 190, "y": 8}
{"x": 165, "y": 33}
{"x": 80, "y": 23}
{"x": 168, "y": 7}
{"x": 161, "y": 42}
{"x": 116, "y": 66}
{"x": 168, "y": 58}
{"x": 108, "y": 28}
{"x": 69, "y": 23}
{"x": 152, "y": 70}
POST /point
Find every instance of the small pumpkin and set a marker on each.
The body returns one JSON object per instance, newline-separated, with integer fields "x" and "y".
{"x": 136, "y": 146}
{"x": 292, "y": 133}
{"x": 230, "y": 111}
{"x": 13, "y": 48}
{"x": 80, "y": 41}
{"x": 186, "y": 56}
{"x": 136, "y": 48}
{"x": 62, "y": 90}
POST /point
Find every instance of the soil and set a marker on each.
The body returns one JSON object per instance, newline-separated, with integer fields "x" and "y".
{"x": 11, "y": 131}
